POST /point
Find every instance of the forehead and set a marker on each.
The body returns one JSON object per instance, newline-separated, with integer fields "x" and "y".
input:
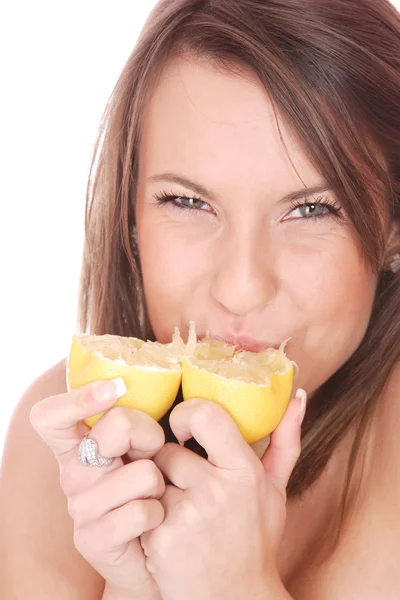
{"x": 204, "y": 122}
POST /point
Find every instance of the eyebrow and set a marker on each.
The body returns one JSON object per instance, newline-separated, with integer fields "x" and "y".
{"x": 208, "y": 194}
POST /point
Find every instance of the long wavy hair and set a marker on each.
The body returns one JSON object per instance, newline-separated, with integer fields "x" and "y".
{"x": 332, "y": 71}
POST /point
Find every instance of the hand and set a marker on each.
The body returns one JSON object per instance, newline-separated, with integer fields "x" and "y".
{"x": 224, "y": 516}
{"x": 110, "y": 506}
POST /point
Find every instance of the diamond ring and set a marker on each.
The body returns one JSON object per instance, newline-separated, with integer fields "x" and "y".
{"x": 88, "y": 453}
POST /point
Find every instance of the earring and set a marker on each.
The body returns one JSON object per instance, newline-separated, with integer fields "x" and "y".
{"x": 395, "y": 264}
{"x": 134, "y": 236}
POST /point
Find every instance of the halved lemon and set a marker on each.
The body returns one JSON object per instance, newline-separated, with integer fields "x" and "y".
{"x": 254, "y": 388}
{"x": 151, "y": 371}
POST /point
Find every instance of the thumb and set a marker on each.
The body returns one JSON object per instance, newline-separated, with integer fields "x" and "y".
{"x": 284, "y": 449}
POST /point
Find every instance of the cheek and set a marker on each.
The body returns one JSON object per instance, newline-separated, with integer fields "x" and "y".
{"x": 329, "y": 279}
{"x": 169, "y": 264}
{"x": 331, "y": 295}
{"x": 172, "y": 271}
{"x": 343, "y": 291}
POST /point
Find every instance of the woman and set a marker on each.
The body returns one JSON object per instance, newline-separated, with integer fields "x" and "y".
{"x": 249, "y": 180}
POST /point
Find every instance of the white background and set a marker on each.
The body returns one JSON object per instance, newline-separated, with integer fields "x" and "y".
{"x": 59, "y": 63}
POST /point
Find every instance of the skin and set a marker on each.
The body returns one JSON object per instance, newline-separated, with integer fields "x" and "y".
{"x": 244, "y": 263}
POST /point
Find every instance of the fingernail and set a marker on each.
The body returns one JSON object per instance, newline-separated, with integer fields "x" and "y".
{"x": 302, "y": 395}
{"x": 110, "y": 390}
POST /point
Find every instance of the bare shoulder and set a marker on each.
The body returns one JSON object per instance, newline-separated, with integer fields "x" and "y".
{"x": 36, "y": 539}
{"x": 365, "y": 564}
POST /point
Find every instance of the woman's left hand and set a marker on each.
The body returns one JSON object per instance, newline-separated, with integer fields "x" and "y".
{"x": 225, "y": 515}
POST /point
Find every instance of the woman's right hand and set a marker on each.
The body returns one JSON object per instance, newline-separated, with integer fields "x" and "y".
{"x": 110, "y": 506}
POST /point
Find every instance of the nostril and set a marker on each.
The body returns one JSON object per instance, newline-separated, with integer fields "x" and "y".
{"x": 246, "y": 298}
{"x": 243, "y": 282}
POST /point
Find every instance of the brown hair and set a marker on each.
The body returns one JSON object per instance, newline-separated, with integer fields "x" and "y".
{"x": 332, "y": 70}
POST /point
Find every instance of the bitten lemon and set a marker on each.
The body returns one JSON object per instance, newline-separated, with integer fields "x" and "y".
{"x": 151, "y": 371}
{"x": 254, "y": 388}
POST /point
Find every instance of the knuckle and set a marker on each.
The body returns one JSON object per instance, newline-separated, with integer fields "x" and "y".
{"x": 84, "y": 541}
{"x": 158, "y": 514}
{"x": 196, "y": 521}
{"x": 118, "y": 418}
{"x": 216, "y": 495}
{"x": 204, "y": 413}
{"x": 154, "y": 514}
{"x": 151, "y": 475}
{"x": 152, "y": 435}
{"x": 162, "y": 544}
{"x": 141, "y": 513}
{"x": 37, "y": 416}
{"x": 94, "y": 540}
{"x": 157, "y": 437}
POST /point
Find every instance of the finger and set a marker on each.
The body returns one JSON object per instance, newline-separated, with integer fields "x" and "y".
{"x": 137, "y": 480}
{"x": 111, "y": 535}
{"x": 214, "y": 429}
{"x": 182, "y": 467}
{"x": 285, "y": 446}
{"x": 128, "y": 431}
{"x": 58, "y": 419}
{"x": 120, "y": 431}
{"x": 171, "y": 499}
{"x": 171, "y": 502}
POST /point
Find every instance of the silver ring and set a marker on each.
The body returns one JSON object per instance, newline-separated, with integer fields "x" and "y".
{"x": 88, "y": 453}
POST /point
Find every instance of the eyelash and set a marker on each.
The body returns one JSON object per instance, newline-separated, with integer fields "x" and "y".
{"x": 164, "y": 198}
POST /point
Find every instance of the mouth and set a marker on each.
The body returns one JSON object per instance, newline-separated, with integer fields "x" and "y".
{"x": 240, "y": 342}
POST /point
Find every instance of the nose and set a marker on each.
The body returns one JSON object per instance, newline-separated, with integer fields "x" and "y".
{"x": 243, "y": 276}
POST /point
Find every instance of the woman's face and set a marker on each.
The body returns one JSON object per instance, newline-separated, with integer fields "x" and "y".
{"x": 241, "y": 259}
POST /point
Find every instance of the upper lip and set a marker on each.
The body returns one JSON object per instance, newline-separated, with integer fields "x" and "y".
{"x": 241, "y": 342}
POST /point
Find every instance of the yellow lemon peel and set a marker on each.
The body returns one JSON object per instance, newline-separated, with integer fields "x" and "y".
{"x": 254, "y": 388}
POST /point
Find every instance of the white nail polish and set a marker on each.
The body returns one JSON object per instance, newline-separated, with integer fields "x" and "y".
{"x": 302, "y": 395}
{"x": 120, "y": 387}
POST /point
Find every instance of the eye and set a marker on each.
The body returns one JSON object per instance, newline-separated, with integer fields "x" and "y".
{"x": 182, "y": 202}
{"x": 189, "y": 202}
{"x": 311, "y": 211}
